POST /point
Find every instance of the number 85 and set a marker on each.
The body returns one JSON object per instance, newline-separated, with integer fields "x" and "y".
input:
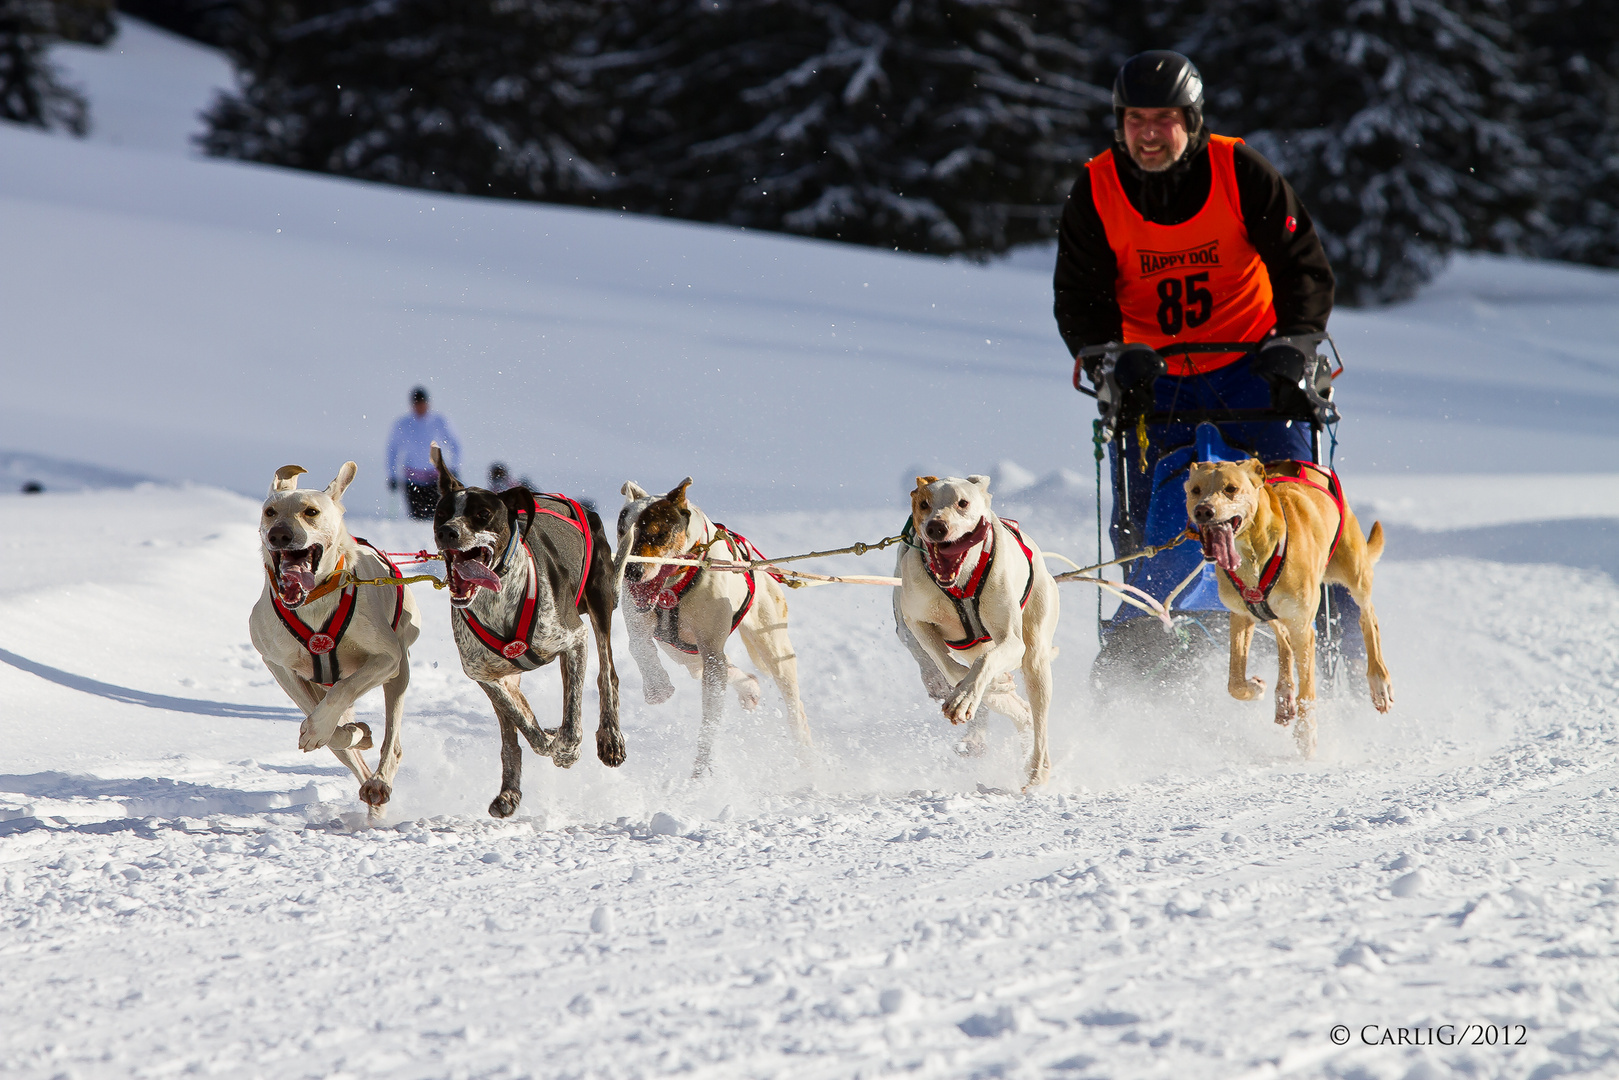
{"x": 1199, "y": 303}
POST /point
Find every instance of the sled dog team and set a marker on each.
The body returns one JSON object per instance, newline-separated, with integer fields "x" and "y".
{"x": 525, "y": 572}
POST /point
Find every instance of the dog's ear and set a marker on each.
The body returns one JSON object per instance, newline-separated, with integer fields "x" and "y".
{"x": 979, "y": 480}
{"x": 517, "y": 499}
{"x": 924, "y": 481}
{"x": 286, "y": 478}
{"x": 1256, "y": 468}
{"x": 677, "y": 494}
{"x": 447, "y": 483}
{"x": 340, "y": 484}
{"x": 632, "y": 490}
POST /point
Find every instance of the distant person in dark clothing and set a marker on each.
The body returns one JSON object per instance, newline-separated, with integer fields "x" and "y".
{"x": 408, "y": 444}
{"x": 499, "y": 478}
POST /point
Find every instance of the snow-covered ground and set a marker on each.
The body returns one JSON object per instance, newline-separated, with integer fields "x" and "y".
{"x": 182, "y": 892}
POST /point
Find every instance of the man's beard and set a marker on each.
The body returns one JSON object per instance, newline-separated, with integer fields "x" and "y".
{"x": 1165, "y": 167}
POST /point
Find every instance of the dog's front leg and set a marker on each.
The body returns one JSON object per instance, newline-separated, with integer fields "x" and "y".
{"x": 307, "y": 696}
{"x": 655, "y": 682}
{"x": 1004, "y": 656}
{"x": 565, "y": 747}
{"x": 1286, "y": 691}
{"x": 321, "y": 726}
{"x": 716, "y": 678}
{"x": 1242, "y": 638}
{"x": 609, "y": 738}
{"x": 1302, "y": 638}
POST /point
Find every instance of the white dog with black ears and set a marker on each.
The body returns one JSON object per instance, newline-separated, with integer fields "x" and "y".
{"x": 978, "y": 601}
{"x": 329, "y": 642}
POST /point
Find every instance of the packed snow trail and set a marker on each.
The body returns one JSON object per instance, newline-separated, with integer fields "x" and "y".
{"x": 184, "y": 892}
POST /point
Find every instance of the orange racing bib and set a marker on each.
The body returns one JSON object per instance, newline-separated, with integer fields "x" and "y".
{"x": 1201, "y": 280}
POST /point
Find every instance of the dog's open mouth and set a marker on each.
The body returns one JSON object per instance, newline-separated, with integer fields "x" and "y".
{"x": 295, "y": 573}
{"x": 468, "y": 572}
{"x": 945, "y": 559}
{"x": 1220, "y": 543}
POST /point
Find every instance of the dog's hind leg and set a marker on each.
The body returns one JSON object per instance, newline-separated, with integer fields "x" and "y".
{"x": 565, "y": 747}
{"x": 376, "y": 791}
{"x": 1037, "y": 674}
{"x": 506, "y": 696}
{"x": 1239, "y": 684}
{"x": 1352, "y": 568}
{"x": 771, "y": 651}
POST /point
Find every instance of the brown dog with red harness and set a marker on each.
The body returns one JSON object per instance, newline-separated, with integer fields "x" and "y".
{"x": 1277, "y": 532}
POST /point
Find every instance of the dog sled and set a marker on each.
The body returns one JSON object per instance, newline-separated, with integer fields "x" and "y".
{"x": 1148, "y": 445}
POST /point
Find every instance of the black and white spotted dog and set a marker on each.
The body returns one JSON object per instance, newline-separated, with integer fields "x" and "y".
{"x": 523, "y": 571}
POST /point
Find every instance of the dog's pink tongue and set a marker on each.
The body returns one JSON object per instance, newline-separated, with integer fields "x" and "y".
{"x": 294, "y": 579}
{"x": 476, "y": 574}
{"x": 1220, "y": 545}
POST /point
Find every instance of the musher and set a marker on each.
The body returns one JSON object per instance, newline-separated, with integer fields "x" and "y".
{"x": 1178, "y": 235}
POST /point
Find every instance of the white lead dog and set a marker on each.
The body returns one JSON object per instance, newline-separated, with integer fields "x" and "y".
{"x": 977, "y": 601}
{"x": 328, "y": 644}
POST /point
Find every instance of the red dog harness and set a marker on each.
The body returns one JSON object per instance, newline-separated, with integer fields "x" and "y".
{"x": 1257, "y": 597}
{"x": 518, "y": 647}
{"x": 322, "y": 644}
{"x": 666, "y": 588}
{"x": 965, "y": 599}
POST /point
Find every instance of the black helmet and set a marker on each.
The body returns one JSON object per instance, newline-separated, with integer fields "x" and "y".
{"x": 1159, "y": 79}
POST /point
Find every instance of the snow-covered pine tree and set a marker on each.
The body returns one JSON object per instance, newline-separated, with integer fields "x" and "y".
{"x": 31, "y": 92}
{"x": 1394, "y": 119}
{"x": 457, "y": 95}
{"x": 1572, "y": 119}
{"x": 925, "y": 125}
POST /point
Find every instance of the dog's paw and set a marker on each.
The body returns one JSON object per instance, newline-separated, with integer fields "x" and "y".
{"x": 1252, "y": 690}
{"x": 609, "y": 747}
{"x": 564, "y": 754}
{"x": 959, "y": 707}
{"x": 747, "y": 693}
{"x": 1039, "y": 773}
{"x": 505, "y": 804}
{"x": 1382, "y": 693}
{"x": 1287, "y": 709}
{"x": 355, "y": 736}
{"x": 307, "y": 738}
{"x": 375, "y": 792}
{"x": 658, "y": 693}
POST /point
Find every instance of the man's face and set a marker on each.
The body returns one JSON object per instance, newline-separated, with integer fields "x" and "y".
{"x": 420, "y": 407}
{"x": 1156, "y": 138}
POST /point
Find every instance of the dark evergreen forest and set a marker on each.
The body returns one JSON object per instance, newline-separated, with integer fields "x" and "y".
{"x": 1412, "y": 128}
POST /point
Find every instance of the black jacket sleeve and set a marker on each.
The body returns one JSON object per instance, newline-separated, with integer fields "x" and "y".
{"x": 1281, "y": 231}
{"x": 1086, "y": 308}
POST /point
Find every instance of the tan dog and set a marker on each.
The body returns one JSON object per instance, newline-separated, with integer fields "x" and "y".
{"x": 691, "y": 613}
{"x": 327, "y": 645}
{"x": 977, "y": 592}
{"x": 1272, "y": 531}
